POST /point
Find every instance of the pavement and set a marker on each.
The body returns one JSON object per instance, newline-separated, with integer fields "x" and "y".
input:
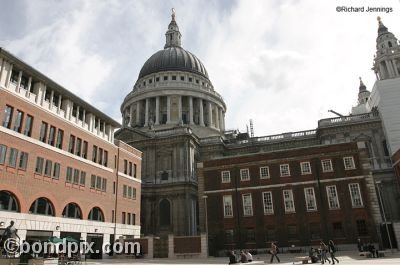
{"x": 344, "y": 257}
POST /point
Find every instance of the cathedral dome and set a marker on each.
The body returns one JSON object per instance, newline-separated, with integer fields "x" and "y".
{"x": 173, "y": 58}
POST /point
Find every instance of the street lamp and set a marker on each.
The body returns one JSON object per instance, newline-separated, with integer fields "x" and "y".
{"x": 377, "y": 183}
{"x": 206, "y": 218}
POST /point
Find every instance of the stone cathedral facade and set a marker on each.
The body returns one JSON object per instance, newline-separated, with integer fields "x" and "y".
{"x": 176, "y": 118}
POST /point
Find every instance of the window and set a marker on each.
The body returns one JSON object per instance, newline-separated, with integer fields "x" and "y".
{"x": 285, "y": 170}
{"x": 124, "y": 191}
{"x": 39, "y": 165}
{"x": 96, "y": 214}
{"x": 114, "y": 187}
{"x": 229, "y": 234}
{"x": 311, "y": 203}
{"x": 23, "y": 160}
{"x": 105, "y": 162}
{"x": 190, "y": 79}
{"x": 157, "y": 79}
{"x": 165, "y": 78}
{"x": 76, "y": 176}
{"x": 8, "y": 202}
{"x": 130, "y": 168}
{"x": 68, "y": 177}
{"x": 333, "y": 199}
{"x": 133, "y": 193}
{"x": 93, "y": 181}
{"x": 348, "y": 163}
{"x": 94, "y": 154}
{"x": 288, "y": 201}
{"x": 228, "y": 207}
{"x": 12, "y": 159}
{"x": 326, "y": 165}
{"x": 104, "y": 185}
{"x": 82, "y": 181}
{"x": 126, "y": 167}
{"x": 305, "y": 168}
{"x": 18, "y": 121}
{"x": 129, "y": 219}
{"x": 355, "y": 194}
{"x": 56, "y": 170}
{"x": 123, "y": 217}
{"x": 42, "y": 206}
{"x": 225, "y": 176}
{"x": 134, "y": 170}
{"x": 174, "y": 77}
{"x": 47, "y": 168}
{"x": 28, "y": 125}
{"x": 84, "y": 149}
{"x": 267, "y": 201}
{"x": 264, "y": 172}
{"x": 98, "y": 183}
{"x": 60, "y": 136}
{"x": 52, "y": 136}
{"x": 247, "y": 205}
{"x": 133, "y": 219}
{"x": 292, "y": 232}
{"x": 8, "y": 116}
{"x": 100, "y": 156}
{"x": 43, "y": 132}
{"x": 72, "y": 210}
{"x": 71, "y": 146}
{"x": 3, "y": 152}
{"x": 182, "y": 78}
{"x": 362, "y": 228}
{"x": 338, "y": 231}
{"x": 250, "y": 235}
{"x": 129, "y": 192}
{"x": 244, "y": 174}
{"x": 315, "y": 229}
{"x": 78, "y": 146}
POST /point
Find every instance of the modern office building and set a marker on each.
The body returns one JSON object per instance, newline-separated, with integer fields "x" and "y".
{"x": 61, "y": 171}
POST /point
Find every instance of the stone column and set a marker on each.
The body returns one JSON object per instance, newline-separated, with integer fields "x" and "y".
{"x": 130, "y": 115}
{"x": 146, "y": 113}
{"x": 77, "y": 114}
{"x": 83, "y": 118}
{"x": 201, "y": 112}
{"x": 168, "y": 109}
{"x": 209, "y": 108}
{"x": 395, "y": 68}
{"x": 171, "y": 253}
{"x": 179, "y": 108}
{"x": 150, "y": 247}
{"x": 28, "y": 88}
{"x": 51, "y": 99}
{"x": 138, "y": 113}
{"x": 216, "y": 116}
{"x": 389, "y": 69}
{"x": 221, "y": 118}
{"x": 157, "y": 111}
{"x": 1, "y": 69}
{"x": 44, "y": 89}
{"x": 19, "y": 81}
{"x": 9, "y": 75}
{"x": 190, "y": 110}
{"x": 204, "y": 245}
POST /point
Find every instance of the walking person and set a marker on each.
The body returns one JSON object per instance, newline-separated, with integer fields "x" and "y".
{"x": 332, "y": 251}
{"x": 274, "y": 252}
{"x": 324, "y": 251}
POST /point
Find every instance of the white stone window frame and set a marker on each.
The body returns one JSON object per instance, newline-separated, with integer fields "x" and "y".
{"x": 227, "y": 205}
{"x": 284, "y": 170}
{"x": 244, "y": 174}
{"x": 264, "y": 172}
{"x": 348, "y": 162}
{"x": 268, "y": 203}
{"x": 310, "y": 196}
{"x": 247, "y": 204}
{"x": 356, "y": 187}
{"x": 290, "y": 199}
{"x": 333, "y": 197}
{"x": 326, "y": 165}
{"x": 225, "y": 176}
{"x": 304, "y": 165}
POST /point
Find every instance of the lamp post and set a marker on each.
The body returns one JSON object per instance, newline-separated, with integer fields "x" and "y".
{"x": 377, "y": 183}
{"x": 206, "y": 218}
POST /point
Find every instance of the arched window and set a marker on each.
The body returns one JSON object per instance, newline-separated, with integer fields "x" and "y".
{"x": 72, "y": 210}
{"x": 42, "y": 206}
{"x": 165, "y": 212}
{"x": 96, "y": 214}
{"x": 390, "y": 44}
{"x": 8, "y": 202}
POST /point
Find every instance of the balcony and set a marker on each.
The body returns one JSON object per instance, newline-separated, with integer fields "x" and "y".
{"x": 339, "y": 121}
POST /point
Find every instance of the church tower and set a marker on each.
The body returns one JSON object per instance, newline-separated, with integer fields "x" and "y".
{"x": 387, "y": 58}
{"x": 363, "y": 96}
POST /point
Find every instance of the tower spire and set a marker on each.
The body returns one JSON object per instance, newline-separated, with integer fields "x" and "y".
{"x": 172, "y": 36}
{"x": 362, "y": 86}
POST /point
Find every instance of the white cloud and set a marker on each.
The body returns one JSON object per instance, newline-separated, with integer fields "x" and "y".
{"x": 281, "y": 63}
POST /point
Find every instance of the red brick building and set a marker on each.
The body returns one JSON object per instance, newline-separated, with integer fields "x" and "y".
{"x": 61, "y": 172}
{"x": 295, "y": 197}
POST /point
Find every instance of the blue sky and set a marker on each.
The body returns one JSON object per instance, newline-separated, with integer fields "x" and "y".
{"x": 283, "y": 63}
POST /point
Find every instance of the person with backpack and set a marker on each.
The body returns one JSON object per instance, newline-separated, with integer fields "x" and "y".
{"x": 332, "y": 251}
{"x": 274, "y": 252}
